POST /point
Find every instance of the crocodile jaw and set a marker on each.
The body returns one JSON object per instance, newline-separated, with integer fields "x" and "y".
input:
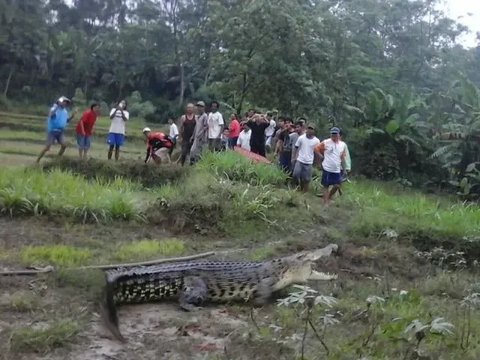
{"x": 315, "y": 275}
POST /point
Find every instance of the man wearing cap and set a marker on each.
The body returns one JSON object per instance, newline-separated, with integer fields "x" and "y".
{"x": 334, "y": 152}
{"x": 158, "y": 146}
{"x": 200, "y": 133}
{"x": 304, "y": 155}
{"x": 56, "y": 123}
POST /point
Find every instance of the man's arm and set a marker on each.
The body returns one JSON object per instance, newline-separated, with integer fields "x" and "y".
{"x": 222, "y": 125}
{"x": 295, "y": 149}
{"x": 149, "y": 150}
{"x": 112, "y": 113}
{"x": 125, "y": 116}
{"x": 82, "y": 127}
{"x": 73, "y": 115}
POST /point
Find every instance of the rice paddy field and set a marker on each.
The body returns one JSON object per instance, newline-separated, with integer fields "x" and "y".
{"x": 407, "y": 264}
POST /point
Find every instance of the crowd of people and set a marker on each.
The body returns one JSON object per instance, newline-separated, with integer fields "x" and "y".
{"x": 295, "y": 144}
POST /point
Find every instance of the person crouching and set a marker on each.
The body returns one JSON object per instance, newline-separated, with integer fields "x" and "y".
{"x": 159, "y": 146}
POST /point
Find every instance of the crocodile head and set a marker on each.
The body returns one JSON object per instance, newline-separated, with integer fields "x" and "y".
{"x": 298, "y": 268}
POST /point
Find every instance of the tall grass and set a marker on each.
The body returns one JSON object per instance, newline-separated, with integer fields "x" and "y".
{"x": 234, "y": 166}
{"x": 383, "y": 205}
{"x": 29, "y": 191}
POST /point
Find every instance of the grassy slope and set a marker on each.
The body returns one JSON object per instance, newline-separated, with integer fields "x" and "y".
{"x": 70, "y": 218}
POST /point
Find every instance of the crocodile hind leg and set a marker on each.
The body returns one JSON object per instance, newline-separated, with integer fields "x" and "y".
{"x": 194, "y": 293}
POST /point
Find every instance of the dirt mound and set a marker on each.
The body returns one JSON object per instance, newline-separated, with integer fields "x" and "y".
{"x": 149, "y": 175}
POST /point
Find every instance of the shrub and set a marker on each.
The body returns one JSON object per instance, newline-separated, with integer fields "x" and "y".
{"x": 30, "y": 192}
{"x": 145, "y": 249}
{"x": 236, "y": 167}
{"x": 148, "y": 175}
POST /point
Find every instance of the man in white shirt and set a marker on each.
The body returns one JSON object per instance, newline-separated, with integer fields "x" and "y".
{"x": 304, "y": 155}
{"x": 116, "y": 134}
{"x": 215, "y": 127}
{"x": 243, "y": 140}
{"x": 269, "y": 131}
{"x": 173, "y": 130}
{"x": 334, "y": 153}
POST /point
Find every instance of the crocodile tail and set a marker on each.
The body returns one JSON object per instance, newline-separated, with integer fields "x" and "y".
{"x": 109, "y": 312}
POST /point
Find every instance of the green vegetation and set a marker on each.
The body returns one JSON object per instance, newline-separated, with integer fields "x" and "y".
{"x": 57, "y": 334}
{"x": 61, "y": 255}
{"x": 148, "y": 249}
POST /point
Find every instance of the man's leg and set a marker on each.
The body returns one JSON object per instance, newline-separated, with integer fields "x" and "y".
{"x": 307, "y": 177}
{"x": 297, "y": 174}
{"x": 325, "y": 185}
{"x": 111, "y": 143}
{"x": 50, "y": 140}
{"x": 86, "y": 147}
{"x": 117, "y": 152}
{"x": 62, "y": 142}
{"x": 110, "y": 152}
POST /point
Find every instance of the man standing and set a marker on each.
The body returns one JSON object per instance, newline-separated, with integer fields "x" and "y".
{"x": 269, "y": 131}
{"x": 284, "y": 147}
{"x": 200, "y": 133}
{"x": 56, "y": 123}
{"x": 258, "y": 124}
{"x": 244, "y": 137}
{"x": 187, "y": 127}
{"x": 333, "y": 151}
{"x": 158, "y": 146}
{"x": 233, "y": 131}
{"x": 215, "y": 127}
{"x": 173, "y": 133}
{"x": 116, "y": 134}
{"x": 304, "y": 155}
{"x": 299, "y": 131}
{"x": 84, "y": 129}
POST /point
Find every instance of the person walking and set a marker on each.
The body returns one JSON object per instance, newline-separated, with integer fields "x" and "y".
{"x": 57, "y": 121}
{"x": 116, "y": 134}
{"x": 187, "y": 128}
{"x": 84, "y": 129}
{"x": 200, "y": 134}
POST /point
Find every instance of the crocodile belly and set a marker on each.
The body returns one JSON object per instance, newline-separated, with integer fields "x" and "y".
{"x": 146, "y": 290}
{"x": 230, "y": 292}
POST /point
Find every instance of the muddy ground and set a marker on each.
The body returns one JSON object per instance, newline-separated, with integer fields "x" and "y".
{"x": 158, "y": 331}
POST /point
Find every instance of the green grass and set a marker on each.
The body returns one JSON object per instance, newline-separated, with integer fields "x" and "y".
{"x": 148, "y": 249}
{"x": 380, "y": 206}
{"x": 41, "y": 340}
{"x": 60, "y": 255}
{"x": 30, "y": 192}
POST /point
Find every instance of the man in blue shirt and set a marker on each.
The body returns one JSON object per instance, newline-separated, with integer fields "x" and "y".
{"x": 56, "y": 123}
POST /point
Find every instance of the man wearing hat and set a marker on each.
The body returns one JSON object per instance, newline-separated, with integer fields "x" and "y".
{"x": 334, "y": 153}
{"x": 56, "y": 123}
{"x": 200, "y": 133}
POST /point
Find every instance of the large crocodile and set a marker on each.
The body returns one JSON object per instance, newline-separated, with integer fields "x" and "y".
{"x": 195, "y": 282}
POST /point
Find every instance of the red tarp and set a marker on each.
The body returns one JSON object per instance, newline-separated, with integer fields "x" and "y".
{"x": 251, "y": 155}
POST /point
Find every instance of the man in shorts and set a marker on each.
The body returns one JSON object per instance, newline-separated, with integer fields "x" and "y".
{"x": 116, "y": 134}
{"x": 199, "y": 137}
{"x": 334, "y": 153}
{"x": 56, "y": 123}
{"x": 304, "y": 154}
{"x": 187, "y": 128}
{"x": 84, "y": 129}
{"x": 158, "y": 146}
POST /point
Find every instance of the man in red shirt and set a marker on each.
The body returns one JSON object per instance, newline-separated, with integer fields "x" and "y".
{"x": 233, "y": 131}
{"x": 158, "y": 146}
{"x": 84, "y": 129}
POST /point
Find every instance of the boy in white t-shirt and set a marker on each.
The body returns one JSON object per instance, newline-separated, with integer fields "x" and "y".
{"x": 303, "y": 155}
{"x": 116, "y": 134}
{"x": 334, "y": 152}
{"x": 215, "y": 127}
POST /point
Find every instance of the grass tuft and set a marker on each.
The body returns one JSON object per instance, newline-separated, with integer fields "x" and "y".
{"x": 41, "y": 340}
{"x": 60, "y": 255}
{"x": 146, "y": 249}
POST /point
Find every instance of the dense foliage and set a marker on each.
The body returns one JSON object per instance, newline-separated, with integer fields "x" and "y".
{"x": 391, "y": 73}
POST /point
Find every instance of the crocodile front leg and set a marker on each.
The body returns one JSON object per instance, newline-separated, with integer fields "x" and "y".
{"x": 263, "y": 292}
{"x": 193, "y": 294}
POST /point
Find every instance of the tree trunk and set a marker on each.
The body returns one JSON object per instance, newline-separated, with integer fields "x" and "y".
{"x": 182, "y": 84}
{"x": 7, "y": 84}
{"x": 244, "y": 93}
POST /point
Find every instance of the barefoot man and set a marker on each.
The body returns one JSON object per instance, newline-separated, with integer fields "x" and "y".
{"x": 56, "y": 123}
{"x": 334, "y": 152}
